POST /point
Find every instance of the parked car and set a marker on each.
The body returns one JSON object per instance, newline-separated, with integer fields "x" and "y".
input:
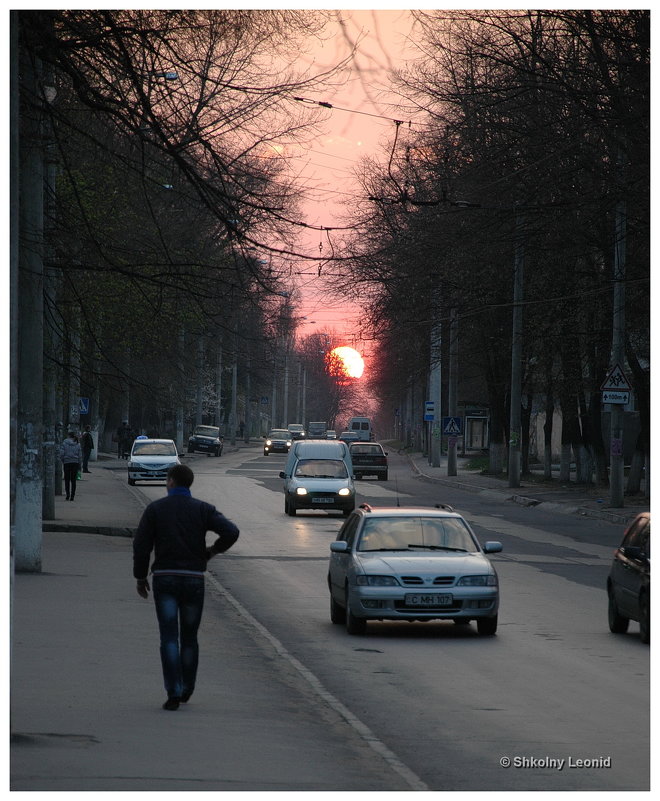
{"x": 369, "y": 459}
{"x": 296, "y": 431}
{"x": 409, "y": 563}
{"x": 349, "y": 436}
{"x": 629, "y": 582}
{"x": 318, "y": 475}
{"x": 331, "y": 434}
{"x": 206, "y": 439}
{"x": 277, "y": 441}
{"x": 150, "y": 459}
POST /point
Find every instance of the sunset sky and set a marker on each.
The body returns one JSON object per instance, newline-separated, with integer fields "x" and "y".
{"x": 350, "y": 132}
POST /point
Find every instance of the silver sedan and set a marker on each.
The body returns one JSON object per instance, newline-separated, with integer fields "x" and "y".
{"x": 411, "y": 564}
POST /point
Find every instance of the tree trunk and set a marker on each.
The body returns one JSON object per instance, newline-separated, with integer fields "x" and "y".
{"x": 641, "y": 457}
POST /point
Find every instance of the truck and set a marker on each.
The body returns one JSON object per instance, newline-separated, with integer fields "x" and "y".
{"x": 317, "y": 429}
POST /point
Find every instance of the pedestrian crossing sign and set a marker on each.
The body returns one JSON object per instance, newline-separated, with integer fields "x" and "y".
{"x": 452, "y": 426}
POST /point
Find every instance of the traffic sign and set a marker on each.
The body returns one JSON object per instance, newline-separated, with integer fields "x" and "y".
{"x": 616, "y": 381}
{"x": 616, "y": 397}
{"x": 452, "y": 426}
{"x": 429, "y": 411}
{"x": 84, "y": 405}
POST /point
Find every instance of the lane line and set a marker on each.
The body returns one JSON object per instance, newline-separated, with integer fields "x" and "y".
{"x": 377, "y": 745}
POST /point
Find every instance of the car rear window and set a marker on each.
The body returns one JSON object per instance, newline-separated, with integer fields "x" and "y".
{"x": 207, "y": 431}
{"x": 447, "y": 532}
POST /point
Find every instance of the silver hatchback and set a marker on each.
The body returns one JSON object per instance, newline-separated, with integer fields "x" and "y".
{"x": 411, "y": 564}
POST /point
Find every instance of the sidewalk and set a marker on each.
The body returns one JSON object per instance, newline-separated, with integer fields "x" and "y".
{"x": 566, "y": 499}
{"x": 87, "y": 690}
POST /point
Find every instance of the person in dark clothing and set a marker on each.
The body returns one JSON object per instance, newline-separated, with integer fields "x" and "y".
{"x": 175, "y": 528}
{"x": 87, "y": 445}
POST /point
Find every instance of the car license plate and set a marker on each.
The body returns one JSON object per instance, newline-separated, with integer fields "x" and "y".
{"x": 322, "y": 500}
{"x": 429, "y": 600}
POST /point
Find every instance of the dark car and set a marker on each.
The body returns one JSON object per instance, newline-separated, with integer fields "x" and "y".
{"x": 629, "y": 582}
{"x": 277, "y": 441}
{"x": 369, "y": 459}
{"x": 206, "y": 439}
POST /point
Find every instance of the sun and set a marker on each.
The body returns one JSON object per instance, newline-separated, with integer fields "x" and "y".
{"x": 352, "y": 362}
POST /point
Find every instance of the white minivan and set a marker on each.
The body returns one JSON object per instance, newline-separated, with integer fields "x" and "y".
{"x": 362, "y": 427}
{"x": 318, "y": 475}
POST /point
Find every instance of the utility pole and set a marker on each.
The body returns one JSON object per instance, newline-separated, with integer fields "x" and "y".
{"x": 29, "y": 323}
{"x": 515, "y": 421}
{"x": 435, "y": 382}
{"x": 452, "y": 466}
{"x": 234, "y": 391}
{"x": 618, "y": 352}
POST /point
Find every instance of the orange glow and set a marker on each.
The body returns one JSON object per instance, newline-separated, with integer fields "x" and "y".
{"x": 352, "y": 364}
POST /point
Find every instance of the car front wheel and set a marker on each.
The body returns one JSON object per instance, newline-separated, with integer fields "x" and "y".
{"x": 131, "y": 482}
{"x": 645, "y": 619}
{"x": 289, "y": 508}
{"x": 618, "y": 624}
{"x": 354, "y": 625}
{"x": 337, "y": 612}
{"x": 487, "y": 626}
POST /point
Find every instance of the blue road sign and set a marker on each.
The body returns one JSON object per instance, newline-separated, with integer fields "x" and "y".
{"x": 84, "y": 406}
{"x": 452, "y": 426}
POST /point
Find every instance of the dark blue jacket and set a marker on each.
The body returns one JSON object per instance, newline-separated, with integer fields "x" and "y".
{"x": 175, "y": 528}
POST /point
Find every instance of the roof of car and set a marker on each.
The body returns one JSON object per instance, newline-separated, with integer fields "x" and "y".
{"x": 406, "y": 511}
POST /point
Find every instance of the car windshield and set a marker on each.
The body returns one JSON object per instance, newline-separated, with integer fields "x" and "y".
{"x": 416, "y": 532}
{"x": 278, "y": 435}
{"x": 207, "y": 431}
{"x": 321, "y": 468}
{"x": 154, "y": 449}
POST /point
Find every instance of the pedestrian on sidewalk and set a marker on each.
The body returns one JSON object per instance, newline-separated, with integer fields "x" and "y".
{"x": 87, "y": 445}
{"x": 71, "y": 458}
{"x": 175, "y": 528}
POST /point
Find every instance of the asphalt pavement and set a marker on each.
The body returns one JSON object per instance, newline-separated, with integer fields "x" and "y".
{"x": 86, "y": 685}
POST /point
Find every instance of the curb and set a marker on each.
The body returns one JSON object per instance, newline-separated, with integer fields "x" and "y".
{"x": 522, "y": 500}
{"x": 81, "y": 528}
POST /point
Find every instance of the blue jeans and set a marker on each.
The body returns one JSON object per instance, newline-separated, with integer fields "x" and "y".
{"x": 179, "y": 603}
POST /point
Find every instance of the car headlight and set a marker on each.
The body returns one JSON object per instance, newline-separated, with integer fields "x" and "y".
{"x": 301, "y": 491}
{"x": 477, "y": 581}
{"x": 376, "y": 581}
{"x": 269, "y": 442}
{"x": 344, "y": 491}
{"x": 288, "y": 443}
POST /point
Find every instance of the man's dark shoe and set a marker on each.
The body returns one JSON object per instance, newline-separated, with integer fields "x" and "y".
{"x": 185, "y": 697}
{"x": 171, "y": 704}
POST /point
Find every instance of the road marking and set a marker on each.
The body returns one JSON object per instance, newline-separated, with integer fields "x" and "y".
{"x": 377, "y": 745}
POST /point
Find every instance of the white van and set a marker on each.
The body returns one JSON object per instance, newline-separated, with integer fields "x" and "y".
{"x": 362, "y": 427}
{"x": 318, "y": 475}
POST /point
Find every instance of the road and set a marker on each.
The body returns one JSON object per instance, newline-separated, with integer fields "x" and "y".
{"x": 553, "y": 702}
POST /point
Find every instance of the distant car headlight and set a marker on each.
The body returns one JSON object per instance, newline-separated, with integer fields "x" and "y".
{"x": 288, "y": 443}
{"x": 269, "y": 442}
{"x": 344, "y": 491}
{"x": 376, "y": 581}
{"x": 477, "y": 581}
{"x": 301, "y": 491}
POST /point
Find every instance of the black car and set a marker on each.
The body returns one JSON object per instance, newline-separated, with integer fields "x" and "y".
{"x": 629, "y": 582}
{"x": 277, "y": 441}
{"x": 206, "y": 439}
{"x": 369, "y": 459}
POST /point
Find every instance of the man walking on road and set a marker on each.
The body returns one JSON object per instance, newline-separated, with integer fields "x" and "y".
{"x": 175, "y": 528}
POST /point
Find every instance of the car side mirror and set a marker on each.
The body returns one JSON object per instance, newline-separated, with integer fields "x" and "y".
{"x": 634, "y": 552}
{"x": 282, "y": 474}
{"x": 492, "y": 547}
{"x": 339, "y": 546}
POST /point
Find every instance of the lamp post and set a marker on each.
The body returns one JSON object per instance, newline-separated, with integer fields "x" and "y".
{"x": 515, "y": 421}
